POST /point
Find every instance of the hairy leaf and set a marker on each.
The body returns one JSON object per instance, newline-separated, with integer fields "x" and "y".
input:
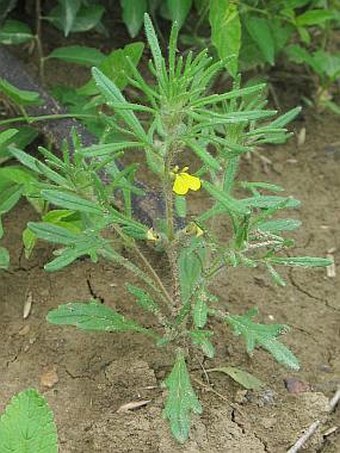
{"x": 201, "y": 339}
{"x": 144, "y": 300}
{"x": 93, "y": 316}
{"x": 302, "y": 261}
{"x": 181, "y": 400}
{"x": 264, "y": 335}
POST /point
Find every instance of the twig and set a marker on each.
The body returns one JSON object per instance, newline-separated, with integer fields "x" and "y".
{"x": 315, "y": 425}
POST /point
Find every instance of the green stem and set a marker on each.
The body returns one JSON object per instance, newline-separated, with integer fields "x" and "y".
{"x": 35, "y": 119}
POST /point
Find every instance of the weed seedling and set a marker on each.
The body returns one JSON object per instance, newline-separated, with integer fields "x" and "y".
{"x": 192, "y": 142}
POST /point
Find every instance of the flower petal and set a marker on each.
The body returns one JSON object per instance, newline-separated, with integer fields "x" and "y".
{"x": 193, "y": 182}
{"x": 180, "y": 186}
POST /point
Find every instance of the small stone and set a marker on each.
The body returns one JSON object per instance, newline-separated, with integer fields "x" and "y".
{"x": 295, "y": 386}
{"x": 49, "y": 378}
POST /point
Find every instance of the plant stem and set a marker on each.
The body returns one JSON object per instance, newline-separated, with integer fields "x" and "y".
{"x": 57, "y": 116}
{"x": 39, "y": 41}
{"x": 112, "y": 255}
{"x": 154, "y": 275}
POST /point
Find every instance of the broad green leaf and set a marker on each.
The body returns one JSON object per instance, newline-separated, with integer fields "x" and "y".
{"x": 53, "y": 233}
{"x": 144, "y": 300}
{"x": 4, "y": 259}
{"x": 247, "y": 380}
{"x": 263, "y": 335}
{"x": 201, "y": 339}
{"x": 86, "y": 17}
{"x": 15, "y": 32}
{"x": 279, "y": 225}
{"x": 313, "y": 17}
{"x": 133, "y": 15}
{"x": 21, "y": 176}
{"x": 181, "y": 400}
{"x": 231, "y": 205}
{"x": 259, "y": 29}
{"x": 178, "y": 10}
{"x": 71, "y": 201}
{"x": 93, "y": 316}
{"x": 226, "y": 32}
{"x": 302, "y": 261}
{"x": 7, "y": 135}
{"x": 82, "y": 55}
{"x": 27, "y": 425}
{"x": 10, "y": 196}
{"x": 20, "y": 97}
{"x": 68, "y": 13}
{"x": 116, "y": 67}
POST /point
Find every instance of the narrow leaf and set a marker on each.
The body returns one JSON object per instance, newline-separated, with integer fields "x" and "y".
{"x": 82, "y": 55}
{"x": 247, "y": 380}
{"x": 302, "y": 261}
{"x": 232, "y": 205}
{"x": 93, "y": 316}
{"x": 4, "y": 258}
{"x": 71, "y": 201}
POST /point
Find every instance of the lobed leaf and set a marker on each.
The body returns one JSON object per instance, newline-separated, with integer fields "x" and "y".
{"x": 181, "y": 400}
{"x": 264, "y": 335}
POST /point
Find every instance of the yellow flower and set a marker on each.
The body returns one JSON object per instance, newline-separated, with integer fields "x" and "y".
{"x": 185, "y": 182}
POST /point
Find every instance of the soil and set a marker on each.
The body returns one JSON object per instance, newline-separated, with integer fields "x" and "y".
{"x": 86, "y": 377}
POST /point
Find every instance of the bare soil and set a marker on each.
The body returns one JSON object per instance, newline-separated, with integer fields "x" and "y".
{"x": 86, "y": 378}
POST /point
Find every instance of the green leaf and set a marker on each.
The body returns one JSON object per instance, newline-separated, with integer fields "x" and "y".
{"x": 20, "y": 97}
{"x": 133, "y": 14}
{"x": 264, "y": 335}
{"x": 144, "y": 300}
{"x": 71, "y": 201}
{"x": 302, "y": 261}
{"x": 178, "y": 10}
{"x": 15, "y": 32}
{"x": 68, "y": 13}
{"x": 86, "y": 56}
{"x": 200, "y": 310}
{"x": 259, "y": 29}
{"x": 226, "y": 32}
{"x": 27, "y": 425}
{"x": 313, "y": 17}
{"x": 112, "y": 94}
{"x": 9, "y": 197}
{"x": 181, "y": 400}
{"x": 201, "y": 339}
{"x": 93, "y": 316}
{"x": 203, "y": 154}
{"x": 247, "y": 380}
{"x": 4, "y": 258}
{"x": 279, "y": 225}
{"x": 53, "y": 233}
{"x": 270, "y": 201}
{"x": 7, "y": 135}
{"x": 231, "y": 205}
{"x": 190, "y": 267}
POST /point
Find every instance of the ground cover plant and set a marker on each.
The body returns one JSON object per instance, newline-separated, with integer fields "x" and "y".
{"x": 192, "y": 140}
{"x": 27, "y": 424}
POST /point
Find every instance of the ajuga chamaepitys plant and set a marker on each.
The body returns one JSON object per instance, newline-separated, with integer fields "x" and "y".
{"x": 177, "y": 115}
